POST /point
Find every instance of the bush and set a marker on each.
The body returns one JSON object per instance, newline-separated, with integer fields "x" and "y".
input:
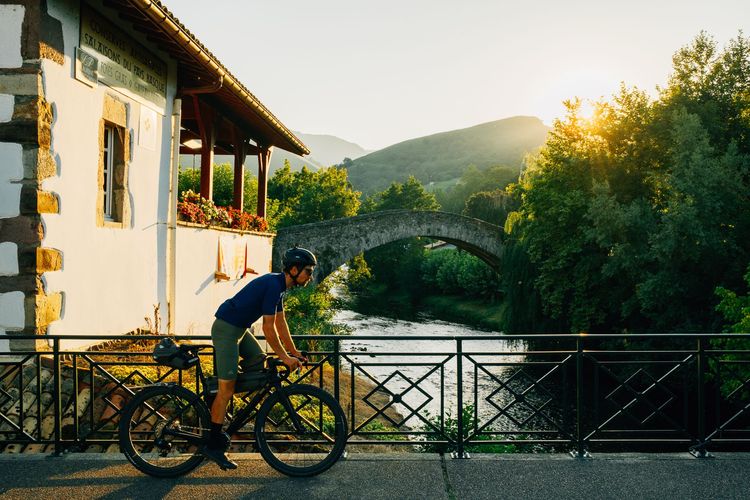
{"x": 451, "y": 431}
{"x": 309, "y": 311}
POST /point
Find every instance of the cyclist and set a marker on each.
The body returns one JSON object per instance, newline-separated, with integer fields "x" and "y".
{"x": 262, "y": 297}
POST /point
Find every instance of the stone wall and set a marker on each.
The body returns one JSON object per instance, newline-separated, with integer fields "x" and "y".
{"x": 27, "y": 35}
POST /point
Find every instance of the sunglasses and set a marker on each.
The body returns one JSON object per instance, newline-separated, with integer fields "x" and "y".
{"x": 308, "y": 270}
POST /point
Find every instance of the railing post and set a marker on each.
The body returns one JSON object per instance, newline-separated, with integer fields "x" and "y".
{"x": 460, "y": 453}
{"x": 336, "y": 364}
{"x": 57, "y": 369}
{"x": 699, "y": 451}
{"x": 580, "y": 451}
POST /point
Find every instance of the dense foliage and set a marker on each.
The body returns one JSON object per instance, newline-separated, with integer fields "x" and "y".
{"x": 735, "y": 308}
{"x": 223, "y": 186}
{"x": 488, "y": 185}
{"x": 311, "y": 196}
{"x": 632, "y": 218}
{"x": 310, "y": 311}
{"x": 458, "y": 273}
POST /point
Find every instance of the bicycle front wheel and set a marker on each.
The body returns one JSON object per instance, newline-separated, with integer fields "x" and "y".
{"x": 300, "y": 430}
{"x": 162, "y": 429}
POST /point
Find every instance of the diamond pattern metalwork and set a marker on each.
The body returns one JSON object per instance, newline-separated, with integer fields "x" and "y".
{"x": 640, "y": 397}
{"x": 633, "y": 392}
{"x": 521, "y": 386}
{"x": 397, "y": 397}
{"x": 742, "y": 388}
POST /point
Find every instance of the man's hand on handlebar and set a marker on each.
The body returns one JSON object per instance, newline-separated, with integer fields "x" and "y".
{"x": 292, "y": 362}
{"x": 299, "y": 355}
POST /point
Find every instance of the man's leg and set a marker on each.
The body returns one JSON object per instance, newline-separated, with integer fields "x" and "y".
{"x": 222, "y": 399}
{"x": 225, "y": 338}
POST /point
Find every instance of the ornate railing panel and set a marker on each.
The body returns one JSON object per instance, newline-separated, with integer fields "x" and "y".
{"x": 554, "y": 392}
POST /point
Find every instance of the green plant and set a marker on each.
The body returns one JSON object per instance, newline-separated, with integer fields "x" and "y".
{"x": 309, "y": 311}
{"x": 450, "y": 426}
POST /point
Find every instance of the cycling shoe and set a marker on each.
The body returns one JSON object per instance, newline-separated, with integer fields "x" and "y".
{"x": 219, "y": 456}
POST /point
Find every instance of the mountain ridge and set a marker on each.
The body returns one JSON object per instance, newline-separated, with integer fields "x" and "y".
{"x": 445, "y": 155}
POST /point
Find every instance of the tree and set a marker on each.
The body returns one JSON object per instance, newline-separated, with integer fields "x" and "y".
{"x": 735, "y": 308}
{"x": 632, "y": 218}
{"x": 474, "y": 180}
{"x": 410, "y": 195}
{"x": 223, "y": 190}
{"x": 308, "y": 196}
{"x": 491, "y": 206}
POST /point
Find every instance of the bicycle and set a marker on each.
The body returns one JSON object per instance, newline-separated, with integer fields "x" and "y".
{"x": 300, "y": 430}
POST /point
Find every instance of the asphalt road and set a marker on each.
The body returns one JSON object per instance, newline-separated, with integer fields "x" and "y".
{"x": 364, "y": 476}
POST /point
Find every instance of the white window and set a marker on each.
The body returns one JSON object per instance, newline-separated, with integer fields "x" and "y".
{"x": 108, "y": 151}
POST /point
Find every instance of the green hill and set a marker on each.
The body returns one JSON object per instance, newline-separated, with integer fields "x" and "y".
{"x": 443, "y": 157}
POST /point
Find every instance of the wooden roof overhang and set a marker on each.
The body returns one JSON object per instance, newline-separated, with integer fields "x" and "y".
{"x": 201, "y": 76}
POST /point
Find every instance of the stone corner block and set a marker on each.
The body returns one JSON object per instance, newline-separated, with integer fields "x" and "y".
{"x": 47, "y": 203}
{"x": 27, "y": 83}
{"x": 38, "y": 164}
{"x": 43, "y": 309}
{"x": 36, "y": 201}
{"x": 48, "y": 259}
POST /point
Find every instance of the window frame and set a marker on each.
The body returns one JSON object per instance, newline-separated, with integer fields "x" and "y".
{"x": 108, "y": 167}
{"x": 113, "y": 208}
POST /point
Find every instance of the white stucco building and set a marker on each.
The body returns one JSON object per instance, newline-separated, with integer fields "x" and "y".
{"x": 97, "y": 100}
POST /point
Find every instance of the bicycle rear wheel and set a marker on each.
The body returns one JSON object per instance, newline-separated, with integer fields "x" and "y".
{"x": 146, "y": 427}
{"x": 300, "y": 430}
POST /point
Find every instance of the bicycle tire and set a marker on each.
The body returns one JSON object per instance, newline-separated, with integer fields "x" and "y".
{"x": 290, "y": 452}
{"x": 147, "y": 415}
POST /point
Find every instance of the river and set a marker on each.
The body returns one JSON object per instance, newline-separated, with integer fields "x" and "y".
{"x": 416, "y": 369}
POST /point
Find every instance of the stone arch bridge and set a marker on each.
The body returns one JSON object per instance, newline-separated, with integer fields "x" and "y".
{"x": 335, "y": 242}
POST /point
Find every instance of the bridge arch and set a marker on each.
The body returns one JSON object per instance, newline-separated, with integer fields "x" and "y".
{"x": 335, "y": 242}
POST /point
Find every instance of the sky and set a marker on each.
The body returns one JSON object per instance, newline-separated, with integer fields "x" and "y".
{"x": 381, "y": 72}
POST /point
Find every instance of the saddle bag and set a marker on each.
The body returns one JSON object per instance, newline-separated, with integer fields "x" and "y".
{"x": 169, "y": 353}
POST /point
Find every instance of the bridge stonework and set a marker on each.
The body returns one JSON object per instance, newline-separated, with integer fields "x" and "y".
{"x": 335, "y": 242}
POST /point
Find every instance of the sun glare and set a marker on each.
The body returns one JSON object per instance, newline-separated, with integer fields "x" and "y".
{"x": 589, "y": 86}
{"x": 586, "y": 110}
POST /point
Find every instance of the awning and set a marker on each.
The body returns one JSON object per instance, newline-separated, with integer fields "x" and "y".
{"x": 199, "y": 69}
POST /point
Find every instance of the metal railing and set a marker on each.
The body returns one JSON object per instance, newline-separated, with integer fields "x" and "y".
{"x": 575, "y": 393}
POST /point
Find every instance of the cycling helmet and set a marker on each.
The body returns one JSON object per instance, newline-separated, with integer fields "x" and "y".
{"x": 168, "y": 353}
{"x": 299, "y": 257}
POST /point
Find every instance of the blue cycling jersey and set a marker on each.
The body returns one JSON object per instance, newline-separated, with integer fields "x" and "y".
{"x": 262, "y": 296}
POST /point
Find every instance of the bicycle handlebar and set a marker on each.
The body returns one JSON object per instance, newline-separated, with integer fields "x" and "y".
{"x": 283, "y": 370}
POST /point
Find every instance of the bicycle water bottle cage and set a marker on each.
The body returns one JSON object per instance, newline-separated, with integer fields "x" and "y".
{"x": 169, "y": 353}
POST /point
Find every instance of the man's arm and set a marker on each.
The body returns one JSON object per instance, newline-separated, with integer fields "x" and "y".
{"x": 272, "y": 337}
{"x": 286, "y": 338}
